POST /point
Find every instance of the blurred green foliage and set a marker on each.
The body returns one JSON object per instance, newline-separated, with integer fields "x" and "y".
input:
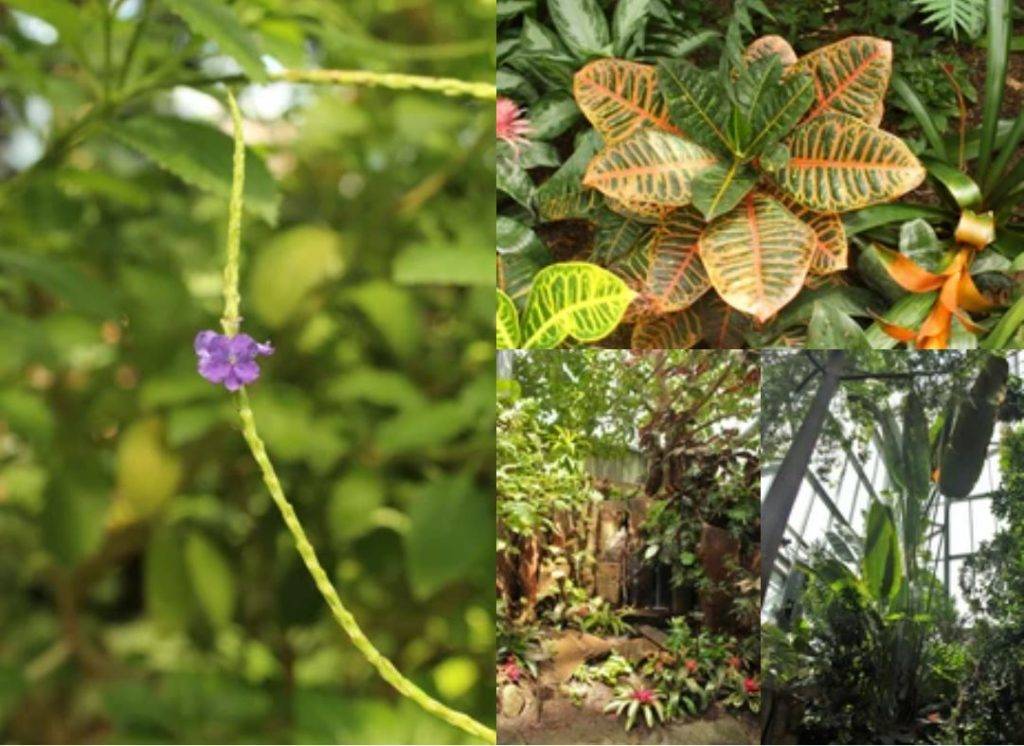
{"x": 148, "y": 590}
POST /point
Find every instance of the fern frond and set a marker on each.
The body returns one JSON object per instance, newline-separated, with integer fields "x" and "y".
{"x": 954, "y": 16}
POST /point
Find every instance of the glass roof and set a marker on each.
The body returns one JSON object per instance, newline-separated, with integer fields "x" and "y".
{"x": 961, "y": 525}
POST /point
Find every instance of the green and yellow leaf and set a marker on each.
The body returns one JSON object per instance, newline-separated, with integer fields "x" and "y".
{"x": 718, "y": 189}
{"x": 573, "y": 299}
{"x": 645, "y": 212}
{"x": 671, "y": 331}
{"x": 850, "y": 77}
{"x": 838, "y": 163}
{"x": 777, "y": 110}
{"x": 615, "y": 236}
{"x": 831, "y": 250}
{"x": 722, "y": 326}
{"x": 757, "y": 256}
{"x": 619, "y": 97}
{"x": 667, "y": 271}
{"x": 648, "y": 167}
{"x": 507, "y": 323}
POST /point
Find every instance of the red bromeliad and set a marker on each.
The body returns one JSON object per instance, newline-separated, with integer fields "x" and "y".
{"x": 511, "y": 670}
{"x": 643, "y": 696}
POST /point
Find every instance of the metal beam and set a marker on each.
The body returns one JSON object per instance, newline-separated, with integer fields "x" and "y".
{"x": 778, "y": 503}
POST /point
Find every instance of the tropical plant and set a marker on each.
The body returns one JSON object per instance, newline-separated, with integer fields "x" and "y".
{"x": 990, "y": 709}
{"x": 571, "y": 299}
{"x": 769, "y": 159}
{"x": 864, "y": 623}
{"x": 637, "y": 702}
{"x": 598, "y": 617}
{"x": 962, "y": 256}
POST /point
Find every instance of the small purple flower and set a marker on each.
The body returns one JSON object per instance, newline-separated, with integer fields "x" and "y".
{"x": 229, "y": 360}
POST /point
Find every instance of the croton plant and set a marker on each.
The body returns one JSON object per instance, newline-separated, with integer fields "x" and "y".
{"x": 745, "y": 178}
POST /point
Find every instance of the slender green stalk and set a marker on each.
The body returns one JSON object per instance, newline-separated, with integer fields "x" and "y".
{"x": 396, "y": 81}
{"x": 231, "y": 320}
{"x": 342, "y": 615}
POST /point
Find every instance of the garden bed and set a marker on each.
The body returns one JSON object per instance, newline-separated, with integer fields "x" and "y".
{"x": 543, "y": 710}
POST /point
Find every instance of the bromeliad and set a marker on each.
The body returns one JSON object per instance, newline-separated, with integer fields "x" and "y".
{"x": 957, "y": 295}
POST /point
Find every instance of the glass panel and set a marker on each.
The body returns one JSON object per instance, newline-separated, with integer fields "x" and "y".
{"x": 959, "y": 528}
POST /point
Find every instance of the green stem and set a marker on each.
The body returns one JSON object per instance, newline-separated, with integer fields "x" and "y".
{"x": 394, "y": 81}
{"x": 397, "y": 81}
{"x": 230, "y": 320}
{"x": 342, "y": 615}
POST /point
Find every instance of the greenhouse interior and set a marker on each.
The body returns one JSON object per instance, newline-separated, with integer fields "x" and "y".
{"x": 893, "y": 547}
{"x": 628, "y": 572}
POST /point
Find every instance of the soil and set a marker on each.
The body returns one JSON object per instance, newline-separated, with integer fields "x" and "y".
{"x": 540, "y": 712}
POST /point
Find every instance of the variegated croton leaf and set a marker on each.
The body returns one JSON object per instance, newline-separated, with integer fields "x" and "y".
{"x": 770, "y": 157}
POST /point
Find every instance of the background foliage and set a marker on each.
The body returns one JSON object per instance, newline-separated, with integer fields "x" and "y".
{"x": 149, "y": 591}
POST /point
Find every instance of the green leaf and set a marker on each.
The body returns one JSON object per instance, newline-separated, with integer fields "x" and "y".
{"x": 440, "y": 550}
{"x": 919, "y": 242}
{"x": 966, "y": 448}
{"x": 147, "y": 473}
{"x": 212, "y": 579}
{"x": 573, "y": 299}
{"x": 430, "y": 426}
{"x": 392, "y": 312}
{"x": 778, "y": 109}
{"x": 72, "y": 521}
{"x": 62, "y": 279}
{"x": 615, "y": 235}
{"x": 201, "y": 156}
{"x": 217, "y": 22}
{"x": 830, "y": 328}
{"x": 582, "y": 26}
{"x": 628, "y": 21}
{"x": 444, "y": 264}
{"x": 961, "y": 187}
{"x": 552, "y": 114}
{"x": 917, "y": 468}
{"x": 520, "y": 256}
{"x": 513, "y": 180}
{"x": 168, "y": 592}
{"x": 354, "y": 499}
{"x": 695, "y": 104}
{"x": 289, "y": 268}
{"x": 882, "y": 558}
{"x": 718, "y": 189}
{"x": 507, "y": 323}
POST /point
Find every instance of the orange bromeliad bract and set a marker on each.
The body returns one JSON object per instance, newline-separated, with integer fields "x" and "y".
{"x": 957, "y": 295}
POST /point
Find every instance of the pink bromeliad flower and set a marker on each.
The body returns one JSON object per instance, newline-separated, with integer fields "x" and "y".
{"x": 511, "y": 670}
{"x": 643, "y": 696}
{"x": 512, "y": 124}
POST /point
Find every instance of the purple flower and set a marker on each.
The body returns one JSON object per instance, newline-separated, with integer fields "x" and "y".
{"x": 229, "y": 360}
